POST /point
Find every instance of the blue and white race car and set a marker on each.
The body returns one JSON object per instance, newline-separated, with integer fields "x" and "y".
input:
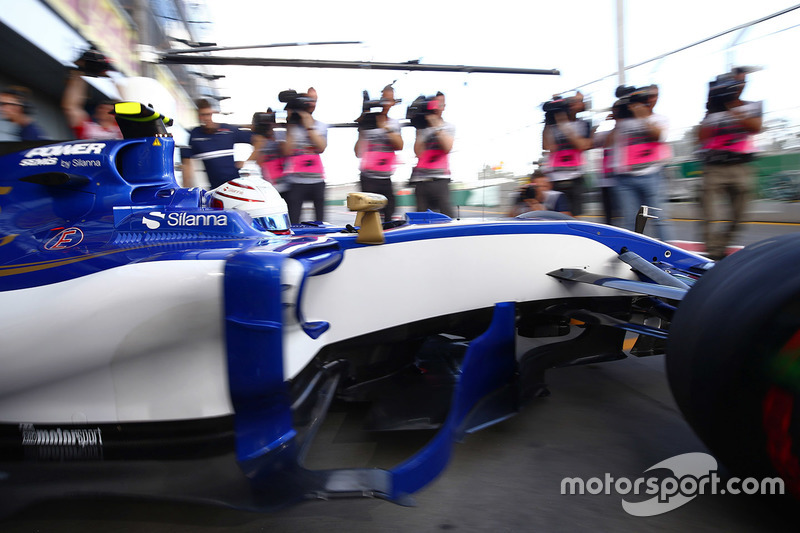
{"x": 166, "y": 342}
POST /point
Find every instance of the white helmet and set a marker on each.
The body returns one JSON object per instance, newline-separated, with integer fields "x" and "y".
{"x": 257, "y": 198}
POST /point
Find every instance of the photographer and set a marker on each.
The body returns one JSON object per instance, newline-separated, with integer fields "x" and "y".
{"x": 638, "y": 156}
{"x": 433, "y": 143}
{"x": 538, "y": 195}
{"x": 15, "y": 107}
{"x": 267, "y": 150}
{"x": 565, "y": 138}
{"x": 726, "y": 136}
{"x": 101, "y": 124}
{"x": 378, "y": 139}
{"x": 306, "y": 139}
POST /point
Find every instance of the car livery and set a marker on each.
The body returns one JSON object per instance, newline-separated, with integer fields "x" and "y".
{"x": 148, "y": 333}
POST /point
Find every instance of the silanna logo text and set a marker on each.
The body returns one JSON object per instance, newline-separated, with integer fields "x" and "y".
{"x": 155, "y": 219}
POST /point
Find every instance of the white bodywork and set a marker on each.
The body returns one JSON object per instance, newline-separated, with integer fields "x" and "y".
{"x": 145, "y": 342}
{"x": 379, "y": 287}
{"x": 134, "y": 343}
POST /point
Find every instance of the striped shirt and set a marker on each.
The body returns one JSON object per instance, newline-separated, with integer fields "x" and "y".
{"x": 215, "y": 150}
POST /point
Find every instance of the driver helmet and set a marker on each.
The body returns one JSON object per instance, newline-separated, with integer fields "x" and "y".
{"x": 257, "y": 198}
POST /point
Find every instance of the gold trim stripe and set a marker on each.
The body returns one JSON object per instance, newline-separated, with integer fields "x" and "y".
{"x": 7, "y": 239}
{"x": 12, "y": 270}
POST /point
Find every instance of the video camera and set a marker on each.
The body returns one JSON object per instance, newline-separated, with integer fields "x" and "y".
{"x": 263, "y": 123}
{"x": 368, "y": 119}
{"x": 295, "y": 102}
{"x": 626, "y": 95}
{"x": 93, "y": 62}
{"x": 724, "y": 89}
{"x": 420, "y": 108}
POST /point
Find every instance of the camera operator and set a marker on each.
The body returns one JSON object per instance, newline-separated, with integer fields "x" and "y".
{"x": 538, "y": 195}
{"x": 433, "y": 143}
{"x": 15, "y": 107}
{"x": 378, "y": 140}
{"x": 306, "y": 139}
{"x": 565, "y": 137}
{"x": 101, "y": 124}
{"x": 638, "y": 156}
{"x": 726, "y": 137}
{"x": 267, "y": 150}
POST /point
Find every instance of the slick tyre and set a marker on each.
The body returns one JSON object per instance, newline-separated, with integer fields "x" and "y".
{"x": 733, "y": 360}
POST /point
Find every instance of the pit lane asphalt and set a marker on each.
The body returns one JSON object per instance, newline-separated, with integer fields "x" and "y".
{"x": 617, "y": 418}
{"x": 614, "y": 418}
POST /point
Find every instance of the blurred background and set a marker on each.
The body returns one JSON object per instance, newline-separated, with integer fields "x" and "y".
{"x": 594, "y": 45}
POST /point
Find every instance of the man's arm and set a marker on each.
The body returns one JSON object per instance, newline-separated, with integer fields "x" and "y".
{"x": 751, "y": 124}
{"x": 563, "y": 125}
{"x": 186, "y": 165}
{"x": 187, "y": 171}
{"x": 318, "y": 141}
{"x": 395, "y": 138}
{"x": 419, "y": 144}
{"x": 74, "y": 98}
{"x": 654, "y": 128}
{"x": 359, "y": 146}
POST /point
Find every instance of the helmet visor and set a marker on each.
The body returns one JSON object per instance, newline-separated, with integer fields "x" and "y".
{"x": 278, "y": 223}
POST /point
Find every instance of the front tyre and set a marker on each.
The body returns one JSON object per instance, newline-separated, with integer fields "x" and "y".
{"x": 733, "y": 360}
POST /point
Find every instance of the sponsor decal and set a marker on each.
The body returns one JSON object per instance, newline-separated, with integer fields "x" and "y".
{"x": 66, "y": 149}
{"x": 86, "y": 162}
{"x": 150, "y": 219}
{"x": 66, "y": 238}
{"x": 154, "y": 220}
{"x": 38, "y": 162}
{"x": 60, "y": 437}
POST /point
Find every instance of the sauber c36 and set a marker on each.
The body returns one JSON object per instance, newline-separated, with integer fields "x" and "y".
{"x": 155, "y": 345}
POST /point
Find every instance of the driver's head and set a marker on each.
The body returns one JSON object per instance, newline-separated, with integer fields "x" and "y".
{"x": 257, "y": 198}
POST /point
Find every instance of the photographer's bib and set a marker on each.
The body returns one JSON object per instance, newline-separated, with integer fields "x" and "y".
{"x": 740, "y": 143}
{"x": 305, "y": 164}
{"x": 566, "y": 159}
{"x": 434, "y": 160}
{"x": 379, "y": 164}
{"x": 642, "y": 155}
{"x": 433, "y": 163}
{"x": 272, "y": 171}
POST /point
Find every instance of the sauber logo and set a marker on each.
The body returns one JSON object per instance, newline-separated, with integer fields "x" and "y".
{"x": 150, "y": 223}
{"x": 154, "y": 220}
{"x": 66, "y": 149}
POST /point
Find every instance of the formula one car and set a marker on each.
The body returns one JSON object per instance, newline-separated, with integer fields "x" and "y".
{"x": 176, "y": 343}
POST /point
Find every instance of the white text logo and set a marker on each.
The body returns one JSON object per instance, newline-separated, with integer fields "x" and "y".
{"x": 183, "y": 219}
{"x": 692, "y": 474}
{"x": 66, "y": 149}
